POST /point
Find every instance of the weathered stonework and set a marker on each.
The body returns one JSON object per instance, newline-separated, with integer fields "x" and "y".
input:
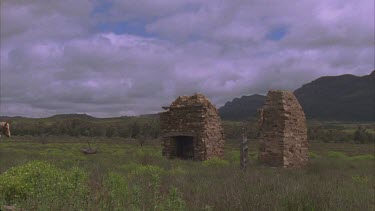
{"x": 191, "y": 129}
{"x": 283, "y": 132}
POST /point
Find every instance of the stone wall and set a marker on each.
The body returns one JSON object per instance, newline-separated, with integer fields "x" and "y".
{"x": 196, "y": 117}
{"x": 283, "y": 132}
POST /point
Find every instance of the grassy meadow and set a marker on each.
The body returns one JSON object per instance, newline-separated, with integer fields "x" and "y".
{"x": 50, "y": 173}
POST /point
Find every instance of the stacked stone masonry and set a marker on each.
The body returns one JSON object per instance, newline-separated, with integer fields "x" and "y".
{"x": 283, "y": 133}
{"x": 191, "y": 129}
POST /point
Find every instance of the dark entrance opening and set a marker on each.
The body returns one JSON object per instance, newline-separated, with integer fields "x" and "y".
{"x": 184, "y": 147}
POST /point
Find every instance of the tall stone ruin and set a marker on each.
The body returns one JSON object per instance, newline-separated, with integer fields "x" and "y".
{"x": 191, "y": 129}
{"x": 283, "y": 133}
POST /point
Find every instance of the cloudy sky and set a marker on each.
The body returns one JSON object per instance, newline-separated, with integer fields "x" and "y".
{"x": 130, "y": 57}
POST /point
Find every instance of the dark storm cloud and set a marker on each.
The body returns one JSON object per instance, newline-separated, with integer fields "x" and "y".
{"x": 88, "y": 56}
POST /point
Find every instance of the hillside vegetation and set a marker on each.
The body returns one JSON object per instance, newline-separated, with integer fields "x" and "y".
{"x": 341, "y": 98}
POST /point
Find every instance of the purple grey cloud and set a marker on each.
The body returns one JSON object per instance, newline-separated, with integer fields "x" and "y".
{"x": 113, "y": 58}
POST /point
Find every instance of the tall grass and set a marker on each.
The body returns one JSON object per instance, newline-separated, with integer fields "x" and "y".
{"x": 128, "y": 177}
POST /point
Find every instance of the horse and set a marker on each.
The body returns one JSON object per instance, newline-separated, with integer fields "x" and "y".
{"x": 5, "y": 129}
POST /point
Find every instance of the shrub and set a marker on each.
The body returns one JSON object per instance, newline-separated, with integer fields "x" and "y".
{"x": 122, "y": 194}
{"x": 140, "y": 153}
{"x": 38, "y": 184}
{"x": 362, "y": 157}
{"x": 147, "y": 170}
{"x": 253, "y": 155}
{"x": 216, "y": 162}
{"x": 233, "y": 156}
{"x": 129, "y": 166}
{"x": 147, "y": 178}
{"x": 173, "y": 201}
{"x": 360, "y": 179}
{"x": 313, "y": 155}
{"x": 177, "y": 171}
{"x": 117, "y": 189}
{"x": 334, "y": 154}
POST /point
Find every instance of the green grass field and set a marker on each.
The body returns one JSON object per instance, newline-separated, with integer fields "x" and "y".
{"x": 124, "y": 176}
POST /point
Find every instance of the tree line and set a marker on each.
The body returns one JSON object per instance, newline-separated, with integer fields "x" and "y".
{"x": 133, "y": 128}
{"x": 359, "y": 134}
{"x": 149, "y": 128}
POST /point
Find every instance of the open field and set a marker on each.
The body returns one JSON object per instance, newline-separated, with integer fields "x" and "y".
{"x": 124, "y": 176}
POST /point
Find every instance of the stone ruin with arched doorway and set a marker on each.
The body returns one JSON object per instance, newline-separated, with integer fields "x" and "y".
{"x": 283, "y": 132}
{"x": 191, "y": 129}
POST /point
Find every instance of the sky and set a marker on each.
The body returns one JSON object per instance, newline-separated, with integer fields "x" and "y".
{"x": 130, "y": 57}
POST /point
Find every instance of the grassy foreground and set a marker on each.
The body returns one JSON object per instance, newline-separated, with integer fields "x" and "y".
{"x": 43, "y": 175}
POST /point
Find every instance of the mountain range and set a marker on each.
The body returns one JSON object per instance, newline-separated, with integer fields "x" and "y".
{"x": 340, "y": 98}
{"x": 333, "y": 98}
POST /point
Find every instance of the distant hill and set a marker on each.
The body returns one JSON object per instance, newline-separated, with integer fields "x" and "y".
{"x": 71, "y": 116}
{"x": 54, "y": 117}
{"x": 242, "y": 108}
{"x": 81, "y": 117}
{"x": 342, "y": 98}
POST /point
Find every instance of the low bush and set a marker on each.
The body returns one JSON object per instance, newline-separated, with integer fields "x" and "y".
{"x": 233, "y": 156}
{"x": 177, "y": 171}
{"x": 313, "y": 155}
{"x": 334, "y": 154}
{"x": 362, "y": 157}
{"x": 118, "y": 191}
{"x": 147, "y": 170}
{"x": 38, "y": 184}
{"x": 122, "y": 193}
{"x": 173, "y": 201}
{"x": 215, "y": 162}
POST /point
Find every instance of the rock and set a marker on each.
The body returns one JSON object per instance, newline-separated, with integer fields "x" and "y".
{"x": 9, "y": 208}
{"x": 88, "y": 151}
